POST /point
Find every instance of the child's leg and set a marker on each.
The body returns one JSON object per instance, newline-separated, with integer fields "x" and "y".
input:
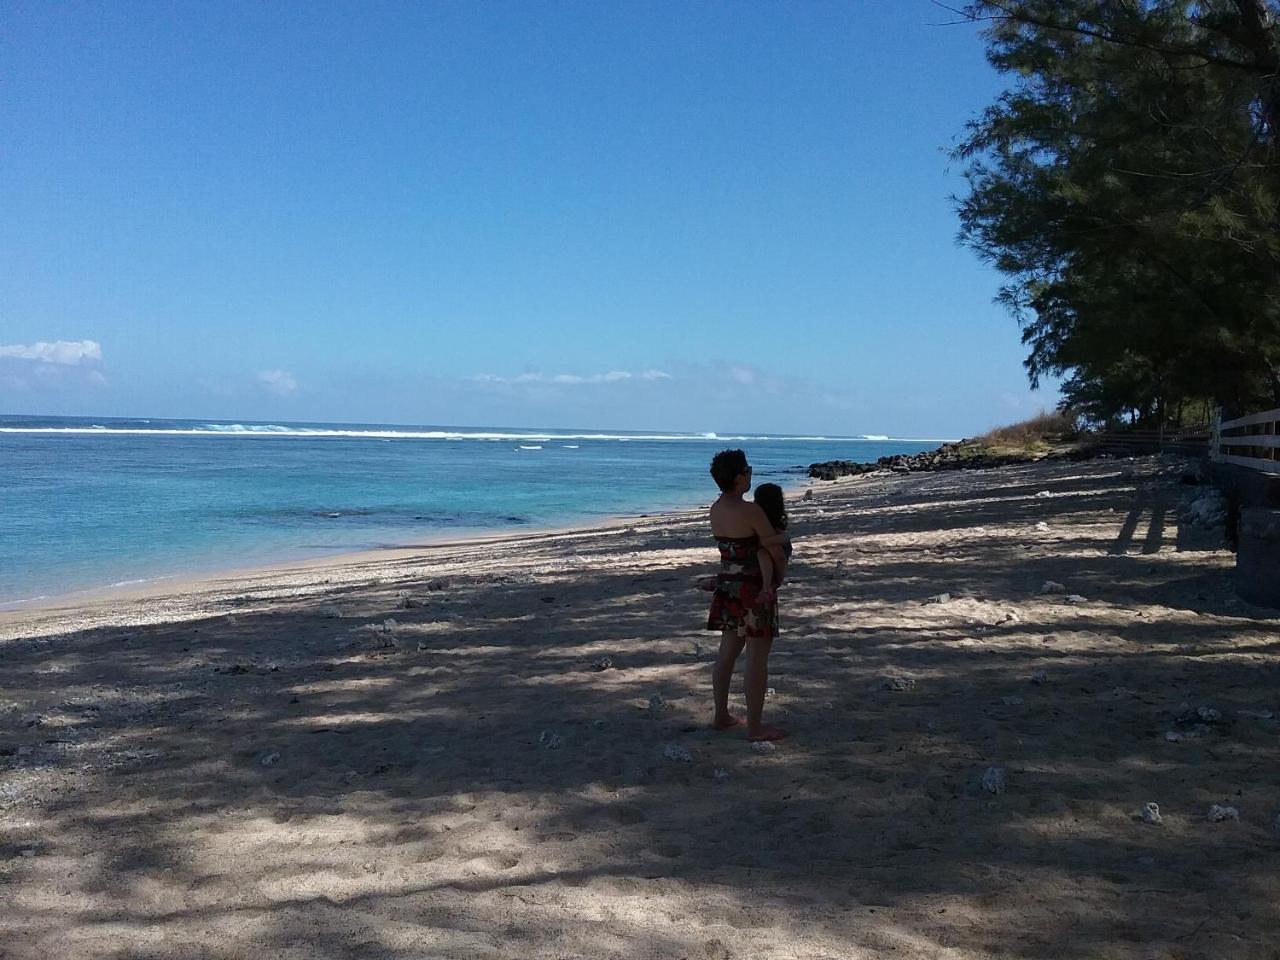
{"x": 766, "y": 569}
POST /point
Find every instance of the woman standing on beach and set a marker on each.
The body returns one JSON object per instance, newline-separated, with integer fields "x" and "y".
{"x": 745, "y": 613}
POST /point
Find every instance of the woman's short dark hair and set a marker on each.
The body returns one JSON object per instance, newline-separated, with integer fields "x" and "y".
{"x": 725, "y": 467}
{"x": 769, "y": 499}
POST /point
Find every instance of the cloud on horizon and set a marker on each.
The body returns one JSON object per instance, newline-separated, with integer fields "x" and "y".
{"x": 67, "y": 353}
{"x": 279, "y": 382}
{"x": 573, "y": 379}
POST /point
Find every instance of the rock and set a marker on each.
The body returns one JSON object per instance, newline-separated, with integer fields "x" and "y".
{"x": 1052, "y": 586}
{"x": 389, "y": 625}
{"x": 33, "y": 720}
{"x": 721, "y": 773}
{"x": 422, "y": 645}
{"x": 1042, "y": 527}
{"x": 657, "y": 703}
{"x": 602, "y": 663}
{"x": 770, "y": 693}
{"x": 763, "y": 746}
{"x": 1219, "y": 814}
{"x": 1173, "y": 736}
{"x": 408, "y": 603}
{"x": 993, "y": 780}
{"x": 939, "y": 598}
{"x": 808, "y": 495}
{"x": 1074, "y": 598}
{"x": 330, "y": 612}
{"x": 1255, "y": 714}
{"x": 1208, "y": 715}
{"x": 899, "y": 684}
{"x": 1150, "y": 813}
{"x": 550, "y": 741}
{"x": 673, "y": 751}
{"x": 28, "y": 853}
{"x": 1206, "y": 509}
{"x": 1043, "y": 495}
{"x": 270, "y": 759}
{"x": 1011, "y": 701}
{"x": 437, "y": 585}
{"x": 1039, "y": 677}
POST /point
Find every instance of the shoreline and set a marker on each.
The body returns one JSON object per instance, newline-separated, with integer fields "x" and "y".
{"x": 161, "y": 586}
{"x": 322, "y": 571}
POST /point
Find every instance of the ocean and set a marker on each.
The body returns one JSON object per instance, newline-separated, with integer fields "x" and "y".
{"x": 92, "y": 503}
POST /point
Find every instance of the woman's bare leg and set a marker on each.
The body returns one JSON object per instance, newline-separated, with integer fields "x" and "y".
{"x": 721, "y": 674}
{"x": 757, "y": 682}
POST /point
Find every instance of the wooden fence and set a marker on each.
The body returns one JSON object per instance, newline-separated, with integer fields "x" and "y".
{"x": 1252, "y": 442}
{"x": 1192, "y": 440}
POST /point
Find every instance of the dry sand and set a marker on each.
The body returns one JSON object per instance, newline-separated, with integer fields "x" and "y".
{"x": 227, "y": 772}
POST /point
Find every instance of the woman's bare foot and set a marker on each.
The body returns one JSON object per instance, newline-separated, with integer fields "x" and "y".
{"x": 766, "y": 733}
{"x": 727, "y": 722}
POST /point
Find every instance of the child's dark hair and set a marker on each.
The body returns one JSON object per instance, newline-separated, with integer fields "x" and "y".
{"x": 726, "y": 466}
{"x": 769, "y": 499}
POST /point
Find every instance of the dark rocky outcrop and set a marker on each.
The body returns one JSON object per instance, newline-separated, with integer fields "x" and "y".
{"x": 949, "y": 456}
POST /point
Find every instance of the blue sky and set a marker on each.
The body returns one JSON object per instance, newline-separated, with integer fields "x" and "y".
{"x": 679, "y": 216}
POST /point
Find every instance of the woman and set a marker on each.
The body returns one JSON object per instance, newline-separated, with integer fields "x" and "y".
{"x": 745, "y": 613}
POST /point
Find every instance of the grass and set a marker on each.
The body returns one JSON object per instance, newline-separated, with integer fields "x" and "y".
{"x": 1040, "y": 434}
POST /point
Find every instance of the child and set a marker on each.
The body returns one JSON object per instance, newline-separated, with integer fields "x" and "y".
{"x": 774, "y": 554}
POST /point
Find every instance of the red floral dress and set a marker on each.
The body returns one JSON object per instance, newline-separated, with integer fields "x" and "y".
{"x": 736, "y": 603}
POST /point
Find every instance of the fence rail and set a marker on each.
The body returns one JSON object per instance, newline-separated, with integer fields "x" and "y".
{"x": 1252, "y": 442}
{"x": 1190, "y": 440}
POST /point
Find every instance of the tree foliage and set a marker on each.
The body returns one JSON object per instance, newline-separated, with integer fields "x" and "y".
{"x": 1128, "y": 186}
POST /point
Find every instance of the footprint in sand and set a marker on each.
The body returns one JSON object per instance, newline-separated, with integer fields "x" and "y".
{"x": 627, "y": 815}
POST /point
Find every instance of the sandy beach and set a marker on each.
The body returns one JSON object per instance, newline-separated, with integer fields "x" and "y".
{"x": 500, "y": 749}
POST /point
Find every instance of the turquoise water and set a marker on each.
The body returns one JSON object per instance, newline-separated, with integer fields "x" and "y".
{"x": 87, "y": 503}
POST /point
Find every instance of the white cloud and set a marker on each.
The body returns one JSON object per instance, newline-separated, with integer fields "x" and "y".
{"x": 743, "y": 375}
{"x": 68, "y": 353}
{"x": 574, "y": 379}
{"x": 279, "y": 382}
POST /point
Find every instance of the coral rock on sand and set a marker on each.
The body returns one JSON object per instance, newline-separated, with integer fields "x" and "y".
{"x": 900, "y": 684}
{"x": 1219, "y": 814}
{"x": 1052, "y": 586}
{"x": 551, "y": 741}
{"x": 1151, "y": 814}
{"x": 1039, "y": 677}
{"x": 993, "y": 781}
{"x": 602, "y": 663}
{"x": 938, "y": 598}
{"x": 673, "y": 751}
{"x": 657, "y": 703}
{"x": 330, "y": 612}
{"x": 764, "y": 746}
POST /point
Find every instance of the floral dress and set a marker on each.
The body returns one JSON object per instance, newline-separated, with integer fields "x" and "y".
{"x": 736, "y": 603}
